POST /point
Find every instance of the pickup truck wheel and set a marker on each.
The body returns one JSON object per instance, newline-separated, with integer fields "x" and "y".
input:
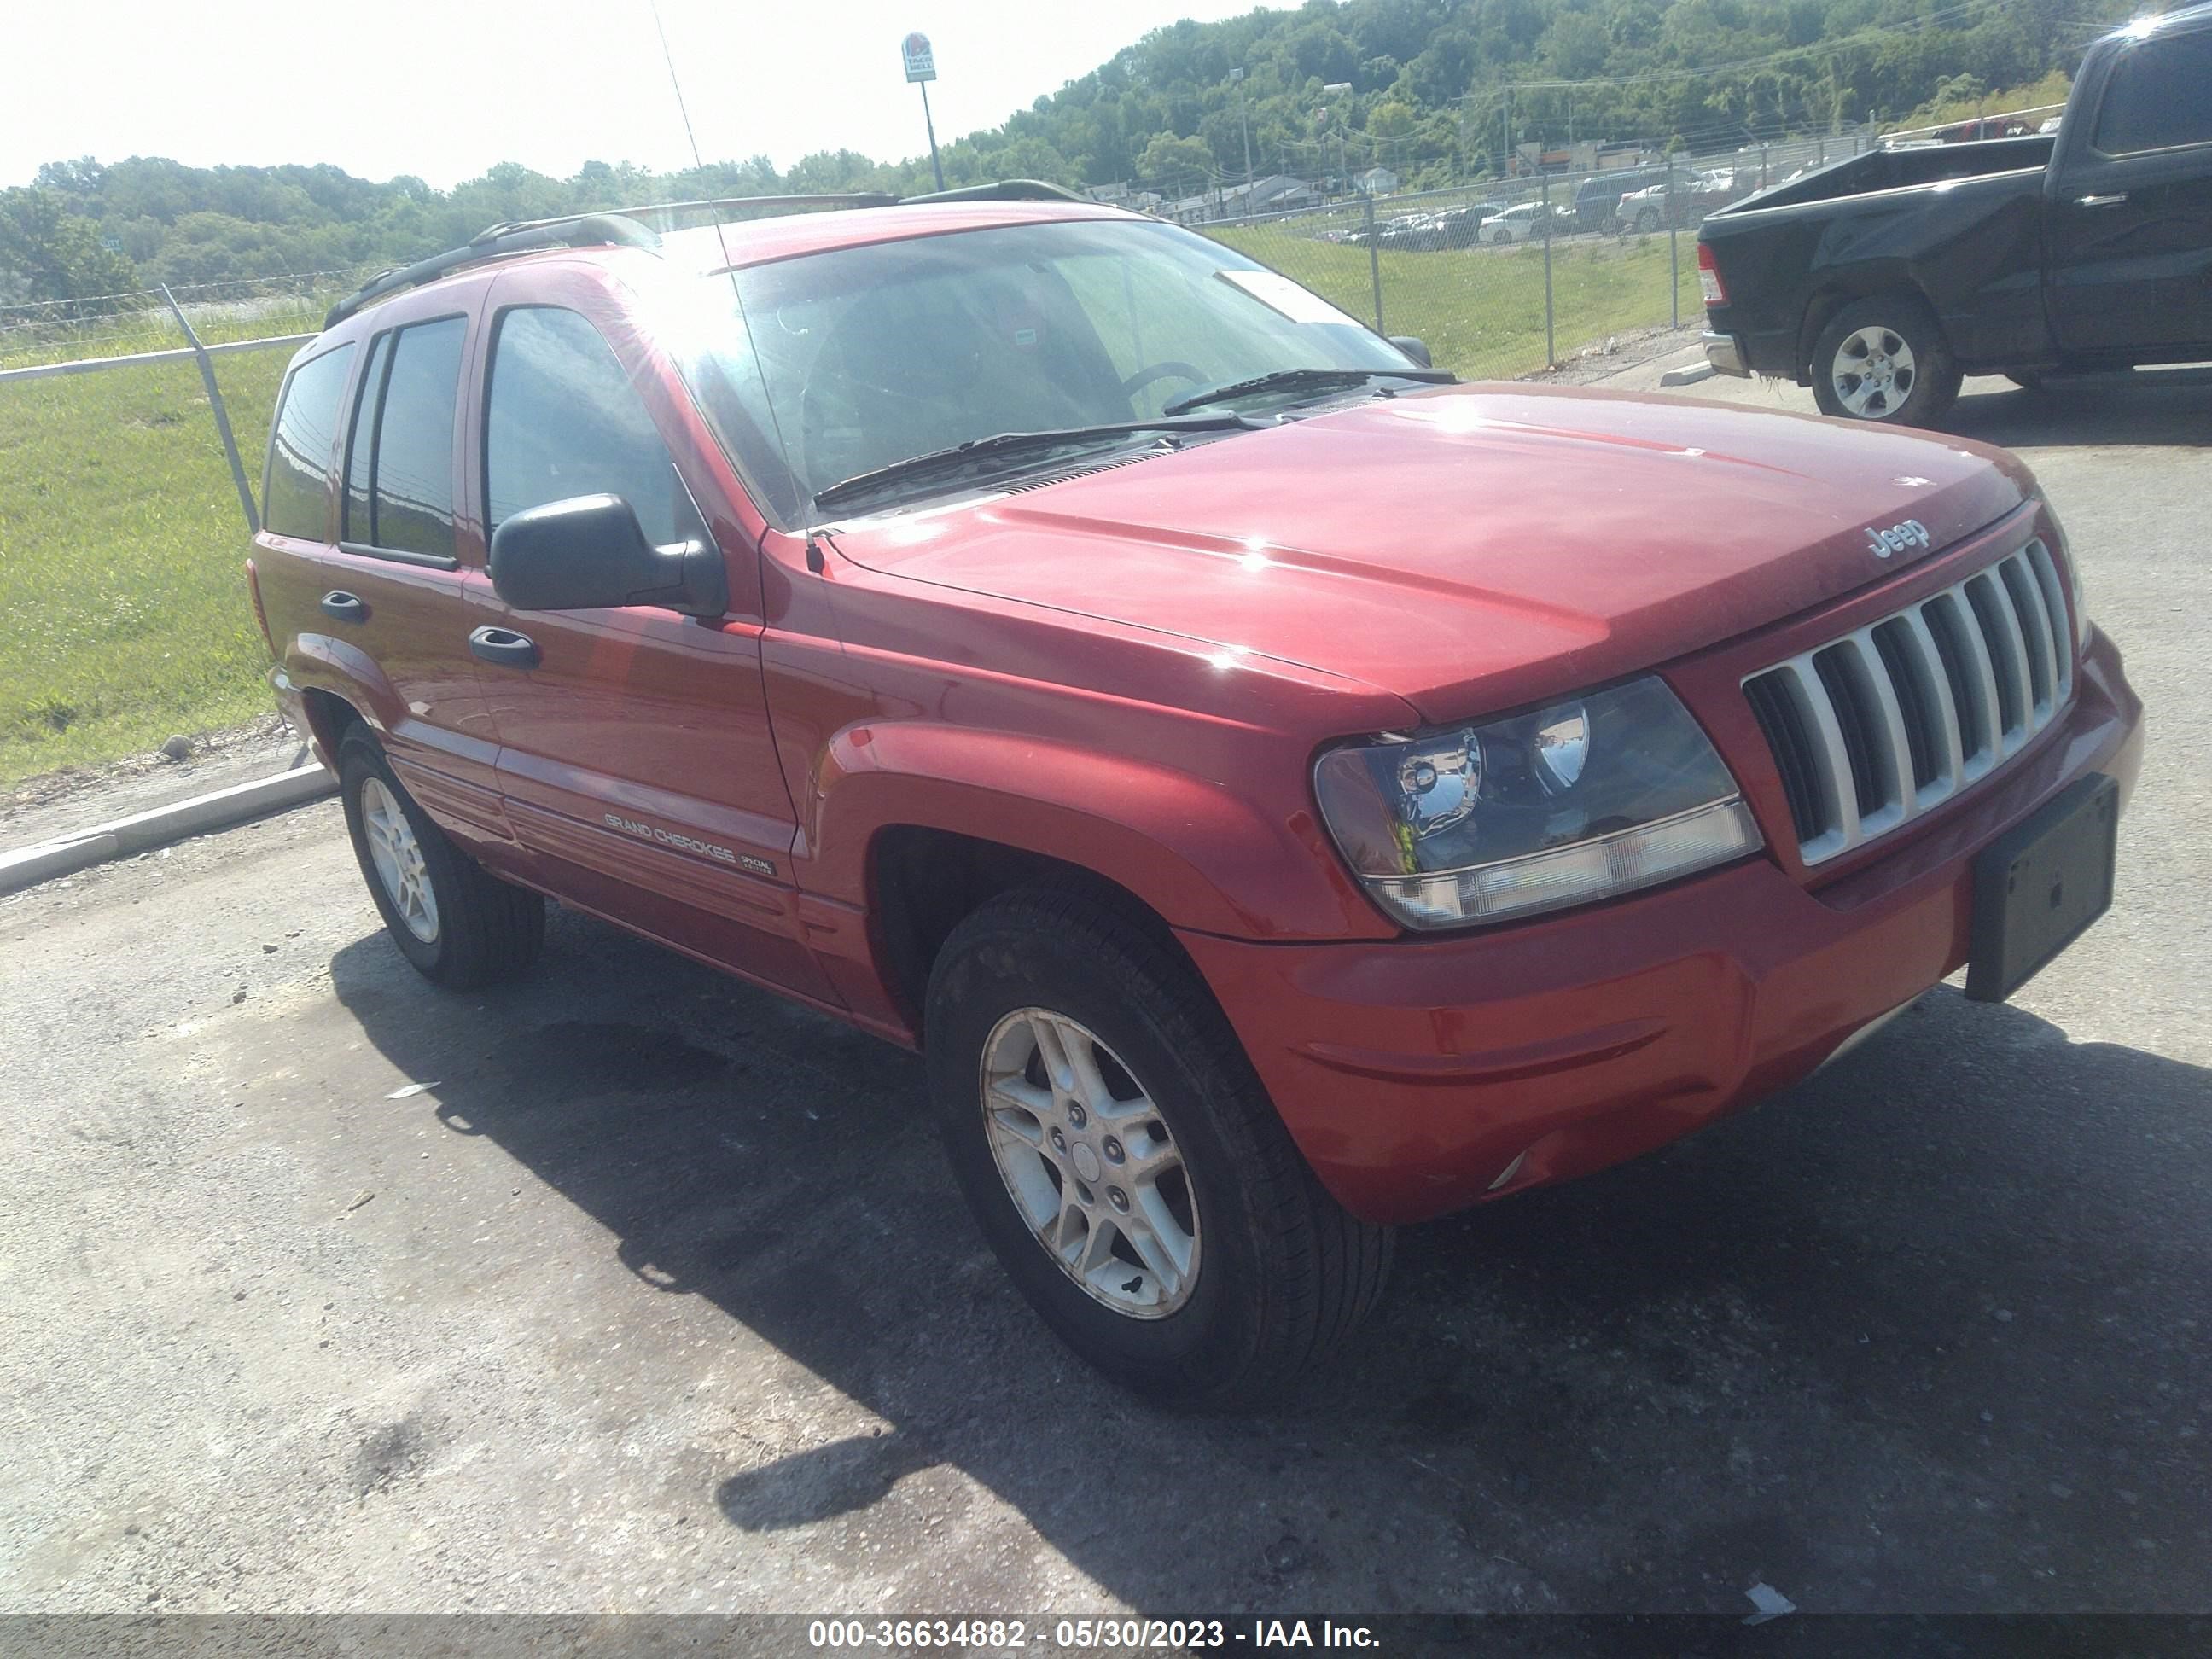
{"x": 1885, "y": 359}
{"x": 1647, "y": 220}
{"x": 459, "y": 923}
{"x": 1124, "y": 1162}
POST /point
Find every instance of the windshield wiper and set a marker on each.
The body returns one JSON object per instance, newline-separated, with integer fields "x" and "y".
{"x": 1302, "y": 380}
{"x": 1008, "y": 447}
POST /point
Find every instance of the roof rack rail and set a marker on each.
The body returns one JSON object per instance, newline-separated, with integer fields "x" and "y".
{"x": 847, "y": 199}
{"x": 619, "y": 227}
{"x": 578, "y": 230}
{"x": 1005, "y": 189}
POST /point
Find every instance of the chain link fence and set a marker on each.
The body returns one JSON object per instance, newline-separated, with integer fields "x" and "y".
{"x": 44, "y": 332}
{"x": 1503, "y": 278}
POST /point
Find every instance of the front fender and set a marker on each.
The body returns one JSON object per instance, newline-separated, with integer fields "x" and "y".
{"x": 1203, "y": 855}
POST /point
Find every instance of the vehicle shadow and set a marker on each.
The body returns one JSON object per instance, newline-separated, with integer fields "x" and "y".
{"x": 1921, "y": 1333}
{"x": 2167, "y": 408}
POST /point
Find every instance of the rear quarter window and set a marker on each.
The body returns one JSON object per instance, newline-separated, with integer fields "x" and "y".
{"x": 2160, "y": 96}
{"x": 296, "y": 488}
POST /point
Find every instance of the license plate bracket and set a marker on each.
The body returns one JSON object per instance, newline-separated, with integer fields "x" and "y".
{"x": 2038, "y": 887}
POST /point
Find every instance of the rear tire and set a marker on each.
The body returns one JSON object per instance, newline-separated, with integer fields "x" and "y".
{"x": 1055, "y": 1026}
{"x": 456, "y": 922}
{"x": 1885, "y": 359}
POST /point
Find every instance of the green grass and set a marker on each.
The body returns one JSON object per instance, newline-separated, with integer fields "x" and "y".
{"x": 124, "y": 614}
{"x": 1481, "y": 311}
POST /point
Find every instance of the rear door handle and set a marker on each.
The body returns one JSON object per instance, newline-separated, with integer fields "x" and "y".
{"x": 341, "y": 606}
{"x": 504, "y": 647}
{"x": 2102, "y": 201}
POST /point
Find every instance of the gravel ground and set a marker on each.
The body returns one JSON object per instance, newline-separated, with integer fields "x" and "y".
{"x": 627, "y": 1288}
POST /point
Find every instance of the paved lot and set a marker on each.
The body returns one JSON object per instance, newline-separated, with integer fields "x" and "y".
{"x": 656, "y": 1293}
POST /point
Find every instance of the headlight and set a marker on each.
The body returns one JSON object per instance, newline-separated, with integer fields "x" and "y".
{"x": 1587, "y": 797}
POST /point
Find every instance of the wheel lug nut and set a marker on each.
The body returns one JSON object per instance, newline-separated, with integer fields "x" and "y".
{"x": 1119, "y": 1199}
{"x": 1113, "y": 1150}
{"x": 1059, "y": 1141}
{"x": 1077, "y": 1116}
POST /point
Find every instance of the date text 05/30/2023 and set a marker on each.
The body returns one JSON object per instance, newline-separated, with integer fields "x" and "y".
{"x": 1083, "y": 1635}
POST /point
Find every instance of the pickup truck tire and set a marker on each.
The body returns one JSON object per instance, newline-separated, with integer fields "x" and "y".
{"x": 1263, "y": 1273}
{"x": 460, "y": 925}
{"x": 1885, "y": 359}
{"x": 1647, "y": 221}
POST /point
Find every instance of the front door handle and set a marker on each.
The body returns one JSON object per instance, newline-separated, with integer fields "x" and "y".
{"x": 341, "y": 606}
{"x": 504, "y": 647}
{"x": 2102, "y": 201}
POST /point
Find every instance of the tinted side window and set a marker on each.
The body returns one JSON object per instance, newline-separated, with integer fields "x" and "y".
{"x": 295, "y": 491}
{"x": 2159, "y": 95}
{"x": 562, "y": 419}
{"x": 414, "y": 475}
{"x": 360, "y": 444}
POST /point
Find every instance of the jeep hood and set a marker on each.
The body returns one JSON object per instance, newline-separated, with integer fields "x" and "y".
{"x": 1470, "y": 547}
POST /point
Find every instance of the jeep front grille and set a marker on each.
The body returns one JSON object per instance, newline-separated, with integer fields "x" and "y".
{"x": 1872, "y": 730}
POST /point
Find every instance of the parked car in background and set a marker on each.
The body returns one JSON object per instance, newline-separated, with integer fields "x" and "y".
{"x": 1684, "y": 202}
{"x": 1882, "y": 281}
{"x": 1461, "y": 227}
{"x": 1520, "y": 224}
{"x": 1406, "y": 233}
{"x": 1597, "y": 198}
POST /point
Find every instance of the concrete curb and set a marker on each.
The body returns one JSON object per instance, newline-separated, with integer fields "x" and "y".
{"x": 1690, "y": 376}
{"x": 142, "y": 831}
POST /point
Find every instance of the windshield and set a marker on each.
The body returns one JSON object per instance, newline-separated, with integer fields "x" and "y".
{"x": 852, "y": 360}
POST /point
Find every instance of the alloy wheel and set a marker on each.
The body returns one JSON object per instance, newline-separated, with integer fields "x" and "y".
{"x": 1089, "y": 1163}
{"x": 397, "y": 857}
{"x": 1873, "y": 372}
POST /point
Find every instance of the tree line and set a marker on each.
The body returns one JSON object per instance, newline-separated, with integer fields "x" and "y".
{"x": 1436, "y": 91}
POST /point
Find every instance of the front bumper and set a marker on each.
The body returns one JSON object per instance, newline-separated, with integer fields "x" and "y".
{"x": 1725, "y": 353}
{"x": 1421, "y": 1075}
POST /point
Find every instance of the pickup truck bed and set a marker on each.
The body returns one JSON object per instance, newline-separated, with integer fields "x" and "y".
{"x": 2091, "y": 248}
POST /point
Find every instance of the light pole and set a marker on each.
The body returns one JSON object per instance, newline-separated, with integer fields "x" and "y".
{"x": 921, "y": 69}
{"x": 1338, "y": 89}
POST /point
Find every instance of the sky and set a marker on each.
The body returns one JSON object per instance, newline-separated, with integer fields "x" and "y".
{"x": 444, "y": 89}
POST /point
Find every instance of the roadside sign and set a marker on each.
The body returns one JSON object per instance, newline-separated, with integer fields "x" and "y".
{"x": 921, "y": 62}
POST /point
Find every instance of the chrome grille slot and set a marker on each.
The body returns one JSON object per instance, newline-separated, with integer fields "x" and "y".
{"x": 1891, "y": 720}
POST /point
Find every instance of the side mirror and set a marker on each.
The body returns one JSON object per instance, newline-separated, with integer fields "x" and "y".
{"x": 1412, "y": 348}
{"x": 590, "y": 552}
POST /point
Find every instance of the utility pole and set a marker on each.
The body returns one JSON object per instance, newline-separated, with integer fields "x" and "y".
{"x": 921, "y": 69}
{"x": 1237, "y": 79}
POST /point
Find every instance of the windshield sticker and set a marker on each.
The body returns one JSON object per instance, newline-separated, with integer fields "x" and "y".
{"x": 1279, "y": 293}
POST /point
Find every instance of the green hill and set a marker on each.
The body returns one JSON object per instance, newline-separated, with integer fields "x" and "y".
{"x": 1436, "y": 87}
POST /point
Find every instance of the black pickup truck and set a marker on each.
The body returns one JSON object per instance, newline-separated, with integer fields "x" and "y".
{"x": 1880, "y": 280}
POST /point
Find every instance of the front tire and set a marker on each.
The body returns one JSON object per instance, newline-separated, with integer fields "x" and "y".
{"x": 460, "y": 925}
{"x": 1885, "y": 359}
{"x": 1124, "y": 1162}
{"x": 1647, "y": 221}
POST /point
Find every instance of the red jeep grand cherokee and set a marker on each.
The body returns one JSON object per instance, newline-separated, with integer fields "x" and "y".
{"x": 1283, "y": 795}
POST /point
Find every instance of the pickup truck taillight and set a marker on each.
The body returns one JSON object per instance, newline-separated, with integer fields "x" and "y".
{"x": 1709, "y": 277}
